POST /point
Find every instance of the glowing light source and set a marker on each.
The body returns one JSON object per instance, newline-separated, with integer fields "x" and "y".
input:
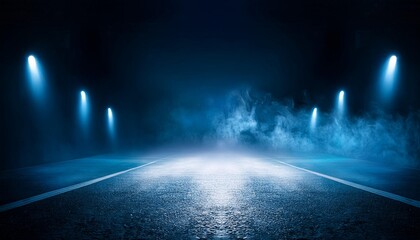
{"x": 392, "y": 63}
{"x": 84, "y": 109}
{"x": 110, "y": 117}
{"x": 34, "y": 74}
{"x": 388, "y": 82}
{"x": 110, "y": 122}
{"x": 33, "y": 68}
{"x": 32, "y": 64}
{"x": 313, "y": 118}
{"x": 83, "y": 96}
{"x": 340, "y": 103}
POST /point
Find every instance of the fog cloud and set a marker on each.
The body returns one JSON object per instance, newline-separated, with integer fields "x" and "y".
{"x": 249, "y": 117}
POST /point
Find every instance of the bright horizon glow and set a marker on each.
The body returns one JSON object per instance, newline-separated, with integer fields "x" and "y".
{"x": 313, "y": 118}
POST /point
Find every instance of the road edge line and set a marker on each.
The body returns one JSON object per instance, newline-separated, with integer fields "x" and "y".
{"x": 381, "y": 193}
{"x": 53, "y": 193}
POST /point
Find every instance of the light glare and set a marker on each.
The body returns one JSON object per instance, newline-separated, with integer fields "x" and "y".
{"x": 392, "y": 63}
{"x": 313, "y": 119}
{"x": 33, "y": 68}
{"x": 340, "y": 104}
{"x": 32, "y": 63}
{"x": 111, "y": 123}
{"x": 341, "y": 96}
{"x": 109, "y": 114}
{"x": 388, "y": 81}
{"x": 83, "y": 96}
{"x": 84, "y": 110}
{"x": 35, "y": 79}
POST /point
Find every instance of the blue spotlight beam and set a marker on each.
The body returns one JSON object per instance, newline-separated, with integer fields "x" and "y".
{"x": 84, "y": 109}
{"x": 340, "y": 103}
{"x": 390, "y": 70}
{"x": 389, "y": 77}
{"x": 33, "y": 67}
{"x": 35, "y": 78}
{"x": 110, "y": 123}
{"x": 313, "y": 119}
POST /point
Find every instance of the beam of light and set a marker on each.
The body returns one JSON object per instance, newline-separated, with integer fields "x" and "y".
{"x": 110, "y": 116}
{"x": 32, "y": 65}
{"x": 313, "y": 119}
{"x": 84, "y": 109}
{"x": 392, "y": 63}
{"x": 110, "y": 122}
{"x": 388, "y": 81}
{"x": 340, "y": 103}
{"x": 35, "y": 77}
{"x": 83, "y": 96}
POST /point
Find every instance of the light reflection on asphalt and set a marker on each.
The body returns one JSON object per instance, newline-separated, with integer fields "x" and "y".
{"x": 220, "y": 187}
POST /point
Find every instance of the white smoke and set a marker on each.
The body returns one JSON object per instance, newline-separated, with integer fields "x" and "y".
{"x": 247, "y": 117}
{"x": 261, "y": 120}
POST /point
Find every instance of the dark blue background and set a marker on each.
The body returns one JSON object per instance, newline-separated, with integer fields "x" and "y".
{"x": 147, "y": 58}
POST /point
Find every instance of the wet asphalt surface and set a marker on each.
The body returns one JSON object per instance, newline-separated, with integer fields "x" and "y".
{"x": 214, "y": 196}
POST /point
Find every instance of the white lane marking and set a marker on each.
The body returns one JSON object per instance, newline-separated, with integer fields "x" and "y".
{"x": 56, "y": 192}
{"x": 389, "y": 195}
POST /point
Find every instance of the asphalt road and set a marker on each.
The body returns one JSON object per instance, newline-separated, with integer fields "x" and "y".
{"x": 214, "y": 196}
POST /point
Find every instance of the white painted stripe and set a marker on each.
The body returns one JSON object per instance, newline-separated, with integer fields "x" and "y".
{"x": 389, "y": 195}
{"x": 56, "y": 192}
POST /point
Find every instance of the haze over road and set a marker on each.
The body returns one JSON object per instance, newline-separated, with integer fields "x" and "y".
{"x": 215, "y": 195}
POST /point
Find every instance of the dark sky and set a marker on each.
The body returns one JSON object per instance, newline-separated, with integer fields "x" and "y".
{"x": 145, "y": 58}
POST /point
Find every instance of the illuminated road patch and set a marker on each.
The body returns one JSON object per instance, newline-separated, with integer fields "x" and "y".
{"x": 217, "y": 195}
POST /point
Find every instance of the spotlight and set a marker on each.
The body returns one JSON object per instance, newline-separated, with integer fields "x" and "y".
{"x": 340, "y": 103}
{"x": 388, "y": 81}
{"x": 84, "y": 109}
{"x": 392, "y": 63}
{"x": 32, "y": 64}
{"x": 35, "y": 79}
{"x": 83, "y": 96}
{"x": 313, "y": 119}
{"x": 110, "y": 117}
{"x": 110, "y": 123}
